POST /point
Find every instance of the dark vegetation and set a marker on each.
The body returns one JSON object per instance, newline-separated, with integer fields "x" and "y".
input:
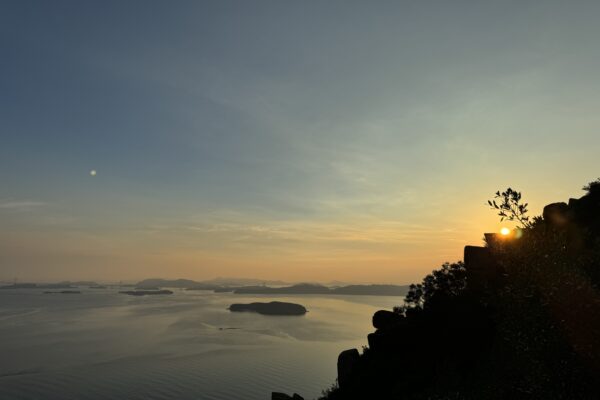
{"x": 520, "y": 319}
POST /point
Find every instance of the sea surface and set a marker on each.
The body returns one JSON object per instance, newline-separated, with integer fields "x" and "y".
{"x": 104, "y": 345}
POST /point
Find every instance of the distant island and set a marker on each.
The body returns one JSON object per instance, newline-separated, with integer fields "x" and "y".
{"x": 58, "y": 285}
{"x": 145, "y": 292}
{"x": 255, "y": 286}
{"x": 308, "y": 288}
{"x": 78, "y": 283}
{"x": 64, "y": 292}
{"x": 211, "y": 284}
{"x": 38, "y": 286}
{"x": 272, "y": 308}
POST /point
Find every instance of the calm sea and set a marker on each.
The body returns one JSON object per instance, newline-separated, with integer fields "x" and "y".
{"x": 105, "y": 345}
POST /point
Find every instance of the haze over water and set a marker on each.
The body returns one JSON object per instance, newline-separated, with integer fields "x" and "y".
{"x": 105, "y": 345}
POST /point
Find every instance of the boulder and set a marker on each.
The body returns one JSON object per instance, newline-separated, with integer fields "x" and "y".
{"x": 383, "y": 342}
{"x": 556, "y": 214}
{"x": 385, "y": 320}
{"x": 346, "y": 365}
{"x": 482, "y": 270}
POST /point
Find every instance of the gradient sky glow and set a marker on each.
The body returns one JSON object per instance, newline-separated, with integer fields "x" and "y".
{"x": 308, "y": 140}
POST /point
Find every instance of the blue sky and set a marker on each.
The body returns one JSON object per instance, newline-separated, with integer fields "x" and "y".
{"x": 355, "y": 141}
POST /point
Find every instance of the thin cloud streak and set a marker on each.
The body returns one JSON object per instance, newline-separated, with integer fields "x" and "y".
{"x": 20, "y": 205}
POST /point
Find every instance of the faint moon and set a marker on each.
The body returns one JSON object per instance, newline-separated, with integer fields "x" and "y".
{"x": 93, "y": 172}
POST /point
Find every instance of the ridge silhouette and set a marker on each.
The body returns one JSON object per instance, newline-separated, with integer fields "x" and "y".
{"x": 519, "y": 318}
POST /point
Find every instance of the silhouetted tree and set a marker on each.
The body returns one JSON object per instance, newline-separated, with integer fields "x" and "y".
{"x": 593, "y": 187}
{"x": 511, "y": 208}
{"x": 449, "y": 280}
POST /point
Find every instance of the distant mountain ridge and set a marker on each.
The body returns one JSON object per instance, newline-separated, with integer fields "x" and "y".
{"x": 250, "y": 286}
{"x": 307, "y": 288}
{"x": 209, "y": 284}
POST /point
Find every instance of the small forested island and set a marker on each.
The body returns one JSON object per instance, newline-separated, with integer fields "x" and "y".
{"x": 272, "y": 308}
{"x": 145, "y": 292}
{"x": 63, "y": 292}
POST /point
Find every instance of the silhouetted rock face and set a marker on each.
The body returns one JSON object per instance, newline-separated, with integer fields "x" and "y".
{"x": 579, "y": 220}
{"x": 384, "y": 319}
{"x": 446, "y": 343}
{"x": 580, "y": 215}
{"x": 586, "y": 213}
{"x": 556, "y": 214}
{"x": 272, "y": 308}
{"x": 482, "y": 270}
{"x": 346, "y": 366}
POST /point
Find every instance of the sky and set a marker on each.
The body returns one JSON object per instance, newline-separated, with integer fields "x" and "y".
{"x": 300, "y": 141}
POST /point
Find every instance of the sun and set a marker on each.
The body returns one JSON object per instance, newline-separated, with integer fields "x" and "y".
{"x": 504, "y": 231}
{"x": 93, "y": 172}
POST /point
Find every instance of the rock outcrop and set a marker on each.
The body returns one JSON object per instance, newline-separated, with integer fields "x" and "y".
{"x": 346, "y": 366}
{"x": 444, "y": 339}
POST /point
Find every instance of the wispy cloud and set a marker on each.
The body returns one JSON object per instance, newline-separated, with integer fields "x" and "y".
{"x": 20, "y": 205}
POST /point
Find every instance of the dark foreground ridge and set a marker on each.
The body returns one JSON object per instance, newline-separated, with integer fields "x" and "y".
{"x": 145, "y": 292}
{"x": 519, "y": 319}
{"x": 272, "y": 308}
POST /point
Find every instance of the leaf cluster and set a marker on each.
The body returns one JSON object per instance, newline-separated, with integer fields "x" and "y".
{"x": 510, "y": 207}
{"x": 592, "y": 187}
{"x": 449, "y": 280}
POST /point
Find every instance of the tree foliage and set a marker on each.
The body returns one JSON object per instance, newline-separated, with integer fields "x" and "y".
{"x": 593, "y": 187}
{"x": 510, "y": 207}
{"x": 449, "y": 280}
